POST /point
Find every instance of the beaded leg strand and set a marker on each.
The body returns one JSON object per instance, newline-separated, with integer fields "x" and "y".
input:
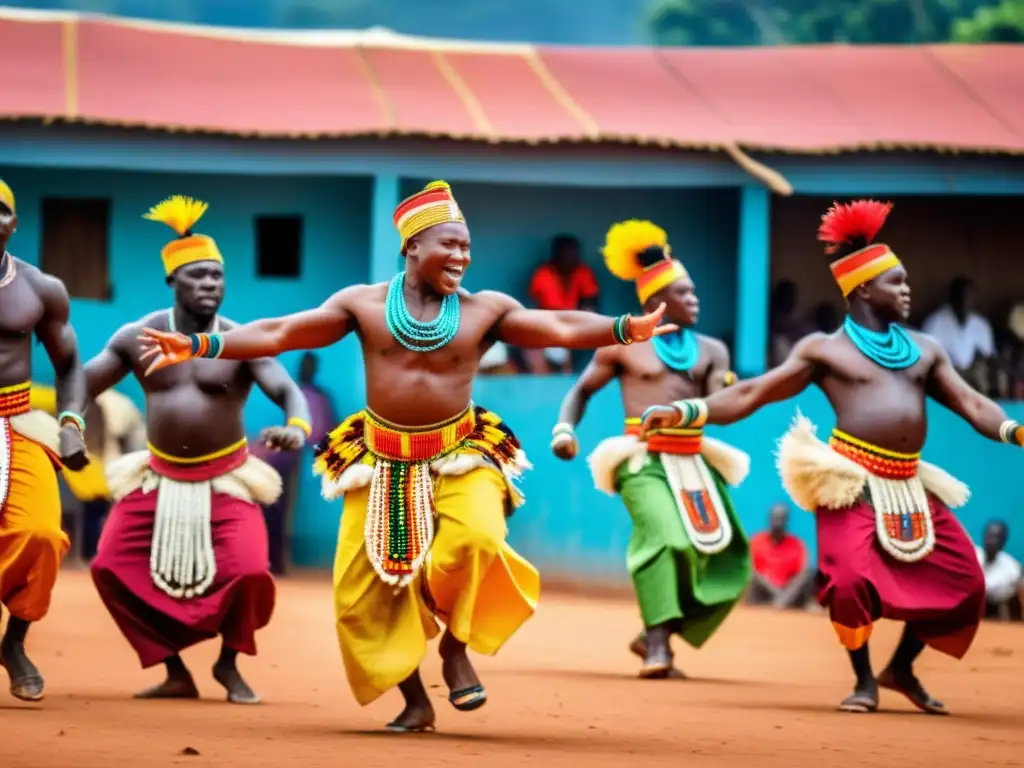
{"x": 903, "y": 517}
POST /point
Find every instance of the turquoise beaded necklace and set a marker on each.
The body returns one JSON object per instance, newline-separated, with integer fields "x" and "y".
{"x": 410, "y": 332}
{"x": 678, "y": 351}
{"x": 894, "y": 349}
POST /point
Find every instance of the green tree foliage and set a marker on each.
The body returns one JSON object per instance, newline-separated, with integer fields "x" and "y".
{"x": 773, "y": 22}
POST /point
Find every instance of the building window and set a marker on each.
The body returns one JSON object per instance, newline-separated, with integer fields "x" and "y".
{"x": 278, "y": 246}
{"x": 76, "y": 245}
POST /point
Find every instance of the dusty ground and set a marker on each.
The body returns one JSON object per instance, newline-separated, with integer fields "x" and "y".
{"x": 563, "y": 692}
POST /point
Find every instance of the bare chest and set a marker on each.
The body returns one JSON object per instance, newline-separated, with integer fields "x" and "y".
{"x": 21, "y": 310}
{"x": 643, "y": 367}
{"x": 381, "y": 346}
{"x": 213, "y": 378}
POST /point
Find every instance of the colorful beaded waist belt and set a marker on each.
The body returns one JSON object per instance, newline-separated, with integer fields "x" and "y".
{"x": 15, "y": 399}
{"x": 197, "y": 468}
{"x": 415, "y": 444}
{"x": 676, "y": 441}
{"x": 881, "y": 462}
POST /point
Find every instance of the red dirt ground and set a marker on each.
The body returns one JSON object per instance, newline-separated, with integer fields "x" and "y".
{"x": 762, "y": 694}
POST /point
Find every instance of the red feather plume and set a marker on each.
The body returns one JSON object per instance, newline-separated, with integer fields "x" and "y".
{"x": 852, "y": 222}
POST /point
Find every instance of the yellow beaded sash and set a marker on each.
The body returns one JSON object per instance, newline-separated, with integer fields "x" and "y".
{"x": 903, "y": 516}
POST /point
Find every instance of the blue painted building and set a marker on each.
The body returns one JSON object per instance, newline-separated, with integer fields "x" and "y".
{"x": 732, "y": 233}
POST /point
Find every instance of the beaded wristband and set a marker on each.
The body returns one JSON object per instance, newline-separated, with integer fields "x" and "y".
{"x": 693, "y": 413}
{"x": 621, "y": 330}
{"x": 1009, "y": 432}
{"x": 562, "y": 429}
{"x": 206, "y": 344}
{"x": 302, "y": 424}
{"x": 70, "y": 417}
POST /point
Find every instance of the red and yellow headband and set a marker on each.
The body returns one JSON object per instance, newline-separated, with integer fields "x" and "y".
{"x": 7, "y": 195}
{"x": 181, "y": 214}
{"x": 859, "y": 267}
{"x": 434, "y": 205}
{"x": 625, "y": 242}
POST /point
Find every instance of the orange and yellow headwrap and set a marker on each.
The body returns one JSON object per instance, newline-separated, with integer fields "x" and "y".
{"x": 861, "y": 266}
{"x": 624, "y": 244}
{"x": 434, "y": 205}
{"x": 181, "y": 214}
{"x": 7, "y": 195}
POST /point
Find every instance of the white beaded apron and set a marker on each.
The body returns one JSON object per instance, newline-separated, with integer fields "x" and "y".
{"x": 6, "y": 442}
{"x": 698, "y": 501}
{"x": 181, "y": 558}
{"x": 897, "y": 505}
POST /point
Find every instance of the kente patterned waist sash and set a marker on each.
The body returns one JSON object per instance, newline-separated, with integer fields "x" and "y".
{"x": 182, "y": 561}
{"x": 400, "y": 508}
{"x": 903, "y": 515}
{"x": 675, "y": 441}
{"x": 14, "y": 401}
{"x": 695, "y": 491}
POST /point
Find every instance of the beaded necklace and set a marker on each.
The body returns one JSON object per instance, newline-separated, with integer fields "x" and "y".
{"x": 894, "y": 349}
{"x": 416, "y": 335}
{"x": 678, "y": 351}
{"x": 9, "y": 270}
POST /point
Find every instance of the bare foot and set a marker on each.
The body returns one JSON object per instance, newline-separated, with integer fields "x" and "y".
{"x": 174, "y": 687}
{"x": 26, "y": 682}
{"x": 904, "y": 682}
{"x": 238, "y": 690}
{"x": 863, "y": 699}
{"x": 639, "y": 648}
{"x": 467, "y": 693}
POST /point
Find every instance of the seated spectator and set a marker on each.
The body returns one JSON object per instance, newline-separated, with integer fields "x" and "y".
{"x": 781, "y": 577}
{"x": 1004, "y": 579}
{"x": 965, "y": 335}
{"x": 562, "y": 282}
{"x": 785, "y": 328}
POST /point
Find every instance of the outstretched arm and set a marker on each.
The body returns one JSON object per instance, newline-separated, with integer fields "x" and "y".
{"x": 949, "y": 389}
{"x": 741, "y": 400}
{"x": 538, "y": 328}
{"x": 599, "y": 371}
{"x": 112, "y": 363}
{"x": 272, "y": 378}
{"x": 61, "y": 344}
{"x": 312, "y": 329}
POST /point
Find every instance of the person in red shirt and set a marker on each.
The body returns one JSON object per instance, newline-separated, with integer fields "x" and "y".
{"x": 781, "y": 577}
{"x": 563, "y": 282}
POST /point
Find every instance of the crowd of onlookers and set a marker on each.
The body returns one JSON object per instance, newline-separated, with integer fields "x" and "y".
{"x": 783, "y": 576}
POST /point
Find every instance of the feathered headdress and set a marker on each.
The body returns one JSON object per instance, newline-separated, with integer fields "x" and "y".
{"x": 434, "y": 204}
{"x": 849, "y": 231}
{"x": 181, "y": 213}
{"x": 639, "y": 251}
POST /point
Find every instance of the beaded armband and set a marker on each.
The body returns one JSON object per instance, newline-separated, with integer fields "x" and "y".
{"x": 561, "y": 431}
{"x": 621, "y": 330}
{"x": 206, "y": 344}
{"x": 729, "y": 378}
{"x": 693, "y": 413}
{"x": 72, "y": 418}
{"x": 1010, "y": 432}
{"x": 302, "y": 424}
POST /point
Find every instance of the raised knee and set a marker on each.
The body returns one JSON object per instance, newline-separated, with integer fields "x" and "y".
{"x": 452, "y": 548}
{"x": 44, "y": 540}
{"x": 850, "y": 587}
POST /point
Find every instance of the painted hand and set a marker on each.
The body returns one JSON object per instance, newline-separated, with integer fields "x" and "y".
{"x": 164, "y": 348}
{"x": 565, "y": 446}
{"x": 659, "y": 417}
{"x": 72, "y": 448}
{"x": 642, "y": 328}
{"x": 283, "y": 438}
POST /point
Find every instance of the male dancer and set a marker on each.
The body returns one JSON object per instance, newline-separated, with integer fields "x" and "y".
{"x": 888, "y": 546}
{"x": 32, "y": 543}
{"x": 688, "y": 554}
{"x": 421, "y": 458}
{"x": 184, "y": 554}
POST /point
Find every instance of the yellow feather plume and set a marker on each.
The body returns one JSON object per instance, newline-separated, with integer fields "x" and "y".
{"x": 180, "y": 213}
{"x": 627, "y": 239}
{"x": 440, "y": 184}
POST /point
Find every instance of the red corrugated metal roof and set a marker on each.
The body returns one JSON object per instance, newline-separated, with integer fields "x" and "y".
{"x": 802, "y": 100}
